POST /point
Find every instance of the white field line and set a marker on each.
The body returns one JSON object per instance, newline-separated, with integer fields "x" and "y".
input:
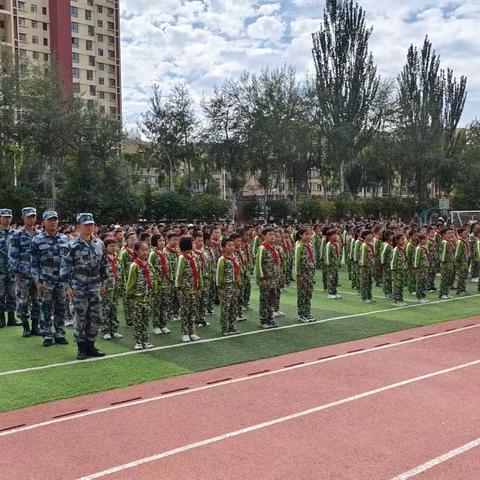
{"x": 437, "y": 461}
{"x": 218, "y": 339}
{"x": 276, "y": 421}
{"x": 227, "y": 382}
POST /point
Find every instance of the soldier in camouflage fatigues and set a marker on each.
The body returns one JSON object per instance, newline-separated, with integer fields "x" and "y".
{"x": 398, "y": 267}
{"x": 7, "y": 278}
{"x": 28, "y": 305}
{"x": 83, "y": 271}
{"x": 331, "y": 263}
{"x": 305, "y": 264}
{"x": 365, "y": 265}
{"x": 462, "y": 260}
{"x": 126, "y": 257}
{"x": 267, "y": 271}
{"x": 421, "y": 265}
{"x": 46, "y": 254}
{"x": 228, "y": 278}
{"x": 139, "y": 290}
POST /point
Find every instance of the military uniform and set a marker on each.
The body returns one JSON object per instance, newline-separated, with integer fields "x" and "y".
{"x": 398, "y": 267}
{"x": 421, "y": 265}
{"x": 46, "y": 255}
{"x": 206, "y": 274}
{"x": 331, "y": 264}
{"x": 377, "y": 264}
{"x": 357, "y": 245}
{"x": 7, "y": 278}
{"x": 365, "y": 265}
{"x": 125, "y": 260}
{"x": 385, "y": 260}
{"x": 447, "y": 267}
{"x": 247, "y": 250}
{"x": 432, "y": 248}
{"x": 227, "y": 279}
{"x": 410, "y": 278}
{"x": 462, "y": 259}
{"x": 172, "y": 255}
{"x": 19, "y": 260}
{"x": 242, "y": 264}
{"x": 305, "y": 264}
{"x": 113, "y": 290}
{"x": 161, "y": 277}
{"x": 83, "y": 269}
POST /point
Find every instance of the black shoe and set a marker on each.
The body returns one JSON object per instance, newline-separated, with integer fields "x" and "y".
{"x": 26, "y": 329}
{"x": 92, "y": 351}
{"x": 82, "y": 352}
{"x": 2, "y": 320}
{"x": 61, "y": 341}
{"x": 12, "y": 321}
{"x": 48, "y": 342}
{"x": 35, "y": 331}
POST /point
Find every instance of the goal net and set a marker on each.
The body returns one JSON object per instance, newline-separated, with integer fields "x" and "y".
{"x": 464, "y": 218}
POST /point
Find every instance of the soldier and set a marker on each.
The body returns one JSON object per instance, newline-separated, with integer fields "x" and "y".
{"x": 267, "y": 270}
{"x": 188, "y": 282}
{"x": 125, "y": 260}
{"x": 422, "y": 266}
{"x": 305, "y": 264}
{"x": 398, "y": 266}
{"x": 7, "y": 279}
{"x": 46, "y": 255}
{"x": 83, "y": 271}
{"x": 447, "y": 263}
{"x": 331, "y": 263}
{"x": 228, "y": 281}
{"x": 20, "y": 266}
{"x": 365, "y": 265}
{"x": 109, "y": 326}
{"x": 462, "y": 259}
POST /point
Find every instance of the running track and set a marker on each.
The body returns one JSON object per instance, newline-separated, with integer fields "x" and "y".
{"x": 401, "y": 406}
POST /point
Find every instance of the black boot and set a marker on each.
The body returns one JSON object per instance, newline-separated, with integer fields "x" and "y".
{"x": 82, "y": 351}
{"x": 26, "y": 329}
{"x": 92, "y": 351}
{"x": 35, "y": 330}
{"x": 2, "y": 320}
{"x": 12, "y": 321}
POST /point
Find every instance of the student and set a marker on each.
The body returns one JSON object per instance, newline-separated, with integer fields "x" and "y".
{"x": 305, "y": 264}
{"x": 241, "y": 260}
{"x": 432, "y": 248}
{"x": 385, "y": 260}
{"x": 323, "y": 243}
{"x": 331, "y": 263}
{"x": 377, "y": 249}
{"x": 139, "y": 291}
{"x": 398, "y": 266}
{"x": 410, "y": 246}
{"x": 125, "y": 260}
{"x": 475, "y": 265}
{"x": 206, "y": 273}
{"x": 365, "y": 266}
{"x": 172, "y": 254}
{"x": 280, "y": 282}
{"x": 161, "y": 280}
{"x": 228, "y": 278}
{"x": 462, "y": 259}
{"x": 357, "y": 243}
{"x": 210, "y": 257}
{"x": 188, "y": 282}
{"x": 447, "y": 263}
{"x": 421, "y": 267}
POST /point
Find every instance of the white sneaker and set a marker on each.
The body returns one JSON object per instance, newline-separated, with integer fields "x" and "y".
{"x": 175, "y": 319}
{"x": 332, "y": 297}
{"x": 148, "y": 345}
{"x": 138, "y": 346}
{"x": 366, "y": 301}
{"x": 423, "y": 301}
{"x": 280, "y": 314}
{"x": 117, "y": 335}
{"x": 185, "y": 338}
{"x": 303, "y": 320}
{"x": 475, "y": 280}
{"x": 241, "y": 318}
{"x": 244, "y": 309}
{"x": 338, "y": 295}
{"x": 107, "y": 336}
{"x": 157, "y": 331}
{"x": 166, "y": 330}
{"x": 444, "y": 297}
{"x": 275, "y": 314}
{"x": 194, "y": 338}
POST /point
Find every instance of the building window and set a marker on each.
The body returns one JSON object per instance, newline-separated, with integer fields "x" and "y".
{"x": 22, "y": 22}
{"x": 111, "y": 82}
{"x": 36, "y": 55}
{"x": 74, "y": 27}
{"x": 111, "y": 54}
{"x": 111, "y": 40}
{"x": 45, "y": 42}
{"x": 111, "y": 26}
{"x": 44, "y": 10}
{"x": 111, "y": 68}
{"x": 22, "y": 37}
{"x": 75, "y": 42}
{"x": 90, "y": 103}
{"x": 101, "y": 95}
{"x": 74, "y": 11}
{"x": 45, "y": 57}
{"x": 91, "y": 30}
{"x": 75, "y": 72}
{"x": 99, "y": 9}
{"x": 89, "y": 45}
{"x": 100, "y": 23}
{"x": 89, "y": 75}
{"x": 100, "y": 52}
{"x": 45, "y": 27}
{"x": 113, "y": 110}
{"x": 23, "y": 52}
{"x": 75, "y": 57}
{"x": 91, "y": 61}
{"x": 33, "y": 8}
{"x": 34, "y": 24}
{"x": 101, "y": 81}
{"x": 90, "y": 3}
{"x": 101, "y": 66}
{"x": 76, "y": 88}
{"x": 110, "y": 12}
{"x": 34, "y": 39}
{"x": 113, "y": 97}
{"x": 21, "y": 6}
{"x": 93, "y": 90}
{"x": 100, "y": 37}
{"x": 88, "y": 14}
{"x": 102, "y": 109}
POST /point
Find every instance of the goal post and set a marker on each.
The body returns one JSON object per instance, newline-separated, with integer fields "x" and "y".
{"x": 463, "y": 218}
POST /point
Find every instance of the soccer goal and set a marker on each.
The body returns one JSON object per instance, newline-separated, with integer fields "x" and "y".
{"x": 464, "y": 217}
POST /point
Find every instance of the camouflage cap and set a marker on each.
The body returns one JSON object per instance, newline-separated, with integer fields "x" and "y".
{"x": 49, "y": 214}
{"x": 5, "y": 212}
{"x": 85, "y": 219}
{"x": 29, "y": 212}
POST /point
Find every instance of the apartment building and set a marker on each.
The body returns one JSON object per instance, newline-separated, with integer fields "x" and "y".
{"x": 82, "y": 36}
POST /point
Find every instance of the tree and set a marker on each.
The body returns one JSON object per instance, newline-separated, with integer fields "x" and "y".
{"x": 211, "y": 208}
{"x": 346, "y": 87}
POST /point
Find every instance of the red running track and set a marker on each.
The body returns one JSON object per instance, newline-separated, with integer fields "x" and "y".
{"x": 373, "y": 414}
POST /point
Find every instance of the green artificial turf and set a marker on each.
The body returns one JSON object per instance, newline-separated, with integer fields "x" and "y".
{"x": 28, "y": 388}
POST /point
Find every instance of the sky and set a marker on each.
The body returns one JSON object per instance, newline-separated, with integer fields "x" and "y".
{"x": 203, "y": 42}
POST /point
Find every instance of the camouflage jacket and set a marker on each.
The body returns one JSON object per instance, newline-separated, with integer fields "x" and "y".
{"x": 160, "y": 270}
{"x": 139, "y": 286}
{"x": 46, "y": 256}
{"x": 225, "y": 274}
{"x": 185, "y": 279}
{"x": 113, "y": 281}
{"x": 304, "y": 259}
{"x": 19, "y": 260}
{"x": 5, "y": 237}
{"x": 267, "y": 264}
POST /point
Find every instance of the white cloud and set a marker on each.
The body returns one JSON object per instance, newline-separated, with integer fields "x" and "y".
{"x": 269, "y": 8}
{"x": 266, "y": 28}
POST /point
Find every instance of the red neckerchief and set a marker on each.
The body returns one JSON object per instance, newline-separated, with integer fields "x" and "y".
{"x": 163, "y": 260}
{"x": 202, "y": 259}
{"x": 193, "y": 267}
{"x": 130, "y": 253}
{"x": 335, "y": 244}
{"x": 113, "y": 260}
{"x": 172, "y": 250}
{"x": 425, "y": 249}
{"x": 273, "y": 250}
{"x": 146, "y": 271}
{"x": 309, "y": 251}
{"x": 236, "y": 268}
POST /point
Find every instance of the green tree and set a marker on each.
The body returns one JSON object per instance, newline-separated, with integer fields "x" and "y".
{"x": 211, "y": 208}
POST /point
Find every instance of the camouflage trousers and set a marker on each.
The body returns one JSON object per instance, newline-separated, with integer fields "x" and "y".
{"x": 421, "y": 284}
{"x": 53, "y": 304}
{"x": 229, "y": 307}
{"x": 398, "y": 284}
{"x": 109, "y": 316}
{"x": 28, "y": 305}
{"x": 355, "y": 276}
{"x": 240, "y": 296}
{"x": 87, "y": 310}
{"x": 188, "y": 312}
{"x": 377, "y": 272}
{"x": 276, "y": 298}
{"x": 160, "y": 308}
{"x": 268, "y": 295}
{"x": 7, "y": 293}
{"x": 247, "y": 290}
{"x": 127, "y": 310}
{"x": 462, "y": 275}
{"x": 387, "y": 280}
{"x": 324, "y": 276}
{"x": 290, "y": 270}
{"x": 304, "y": 294}
{"x": 475, "y": 268}
{"x": 366, "y": 281}
{"x": 411, "y": 280}
{"x": 332, "y": 278}
{"x": 212, "y": 293}
{"x": 173, "y": 303}
{"x": 348, "y": 263}
{"x": 203, "y": 303}
{"x": 447, "y": 271}
{"x": 141, "y": 315}
{"x": 431, "y": 277}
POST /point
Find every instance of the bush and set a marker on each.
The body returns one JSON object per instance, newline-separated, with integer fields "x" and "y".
{"x": 209, "y": 207}
{"x": 345, "y": 207}
{"x": 313, "y": 209}
{"x": 172, "y": 206}
{"x": 251, "y": 210}
{"x": 279, "y": 209}
{"x": 17, "y": 198}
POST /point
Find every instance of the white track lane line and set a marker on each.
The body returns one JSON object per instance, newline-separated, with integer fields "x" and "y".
{"x": 437, "y": 461}
{"x": 218, "y": 339}
{"x": 276, "y": 421}
{"x": 373, "y": 296}
{"x": 226, "y": 382}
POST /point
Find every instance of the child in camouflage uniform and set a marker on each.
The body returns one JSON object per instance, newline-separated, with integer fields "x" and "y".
{"x": 410, "y": 252}
{"x": 421, "y": 265}
{"x": 139, "y": 291}
{"x": 331, "y": 263}
{"x": 357, "y": 243}
{"x": 385, "y": 260}
{"x": 172, "y": 254}
{"x": 305, "y": 264}
{"x": 210, "y": 256}
{"x": 398, "y": 267}
{"x": 365, "y": 266}
{"x": 126, "y": 257}
{"x": 377, "y": 248}
{"x": 447, "y": 263}
{"x": 462, "y": 260}
{"x": 432, "y": 247}
{"x": 206, "y": 274}
{"x": 228, "y": 278}
{"x": 242, "y": 265}
{"x": 189, "y": 283}
{"x": 161, "y": 275}
{"x": 280, "y": 283}
{"x": 247, "y": 251}
{"x": 109, "y": 325}
{"x": 475, "y": 265}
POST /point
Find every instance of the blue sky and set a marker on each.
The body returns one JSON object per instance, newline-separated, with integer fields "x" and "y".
{"x": 202, "y": 42}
